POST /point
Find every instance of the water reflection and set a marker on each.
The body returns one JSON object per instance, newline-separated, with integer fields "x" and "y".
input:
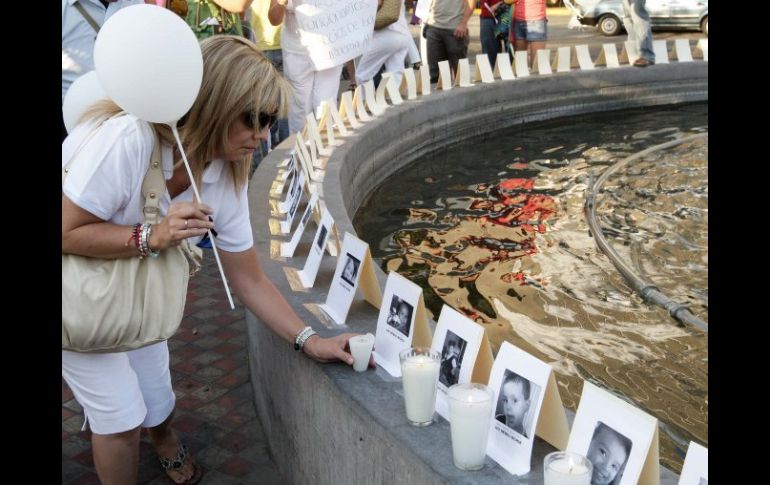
{"x": 499, "y": 234}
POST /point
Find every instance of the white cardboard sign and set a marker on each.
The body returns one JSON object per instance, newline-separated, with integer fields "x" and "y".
{"x": 526, "y": 397}
{"x": 660, "y": 49}
{"x": 285, "y": 204}
{"x": 354, "y": 265}
{"x": 458, "y": 339}
{"x": 402, "y": 323}
{"x": 288, "y": 248}
{"x": 520, "y": 60}
{"x": 584, "y": 57}
{"x": 564, "y": 59}
{"x": 299, "y": 189}
{"x": 695, "y": 470}
{"x": 409, "y": 84}
{"x": 335, "y": 120}
{"x": 313, "y": 262}
{"x": 483, "y": 71}
{"x": 358, "y": 100}
{"x": 463, "y": 73}
{"x": 444, "y": 76}
{"x": 371, "y": 99}
{"x": 335, "y": 31}
{"x": 424, "y": 80}
{"x": 347, "y": 110}
{"x": 543, "y": 62}
{"x": 290, "y": 170}
{"x": 619, "y": 439}
{"x": 682, "y": 50}
{"x": 608, "y": 56}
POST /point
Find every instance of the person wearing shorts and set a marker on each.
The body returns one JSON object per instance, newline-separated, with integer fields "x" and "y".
{"x": 530, "y": 27}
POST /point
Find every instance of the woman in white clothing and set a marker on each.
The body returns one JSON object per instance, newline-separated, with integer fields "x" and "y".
{"x": 389, "y": 46}
{"x": 102, "y": 201}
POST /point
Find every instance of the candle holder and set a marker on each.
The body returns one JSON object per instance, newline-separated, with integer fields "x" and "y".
{"x": 470, "y": 412}
{"x": 419, "y": 371}
{"x": 361, "y": 350}
{"x": 566, "y": 468}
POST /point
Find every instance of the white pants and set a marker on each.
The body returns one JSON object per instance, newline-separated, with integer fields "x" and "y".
{"x": 310, "y": 87}
{"x": 387, "y": 47}
{"x": 120, "y": 391}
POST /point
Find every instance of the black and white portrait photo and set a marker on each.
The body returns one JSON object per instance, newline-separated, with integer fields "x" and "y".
{"x": 608, "y": 452}
{"x": 306, "y": 216}
{"x": 321, "y": 238}
{"x": 515, "y": 403}
{"x": 294, "y": 205}
{"x": 350, "y": 270}
{"x": 451, "y": 359}
{"x": 400, "y": 315}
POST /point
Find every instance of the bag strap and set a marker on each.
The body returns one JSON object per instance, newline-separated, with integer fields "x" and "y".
{"x": 154, "y": 184}
{"x": 86, "y": 16}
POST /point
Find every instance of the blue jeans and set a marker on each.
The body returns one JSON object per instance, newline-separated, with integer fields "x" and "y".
{"x": 280, "y": 130}
{"x": 637, "y": 24}
{"x": 531, "y": 30}
{"x": 489, "y": 43}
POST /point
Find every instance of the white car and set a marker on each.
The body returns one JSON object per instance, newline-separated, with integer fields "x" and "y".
{"x": 607, "y": 15}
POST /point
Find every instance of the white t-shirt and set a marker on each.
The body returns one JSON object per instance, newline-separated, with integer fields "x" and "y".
{"x": 106, "y": 180}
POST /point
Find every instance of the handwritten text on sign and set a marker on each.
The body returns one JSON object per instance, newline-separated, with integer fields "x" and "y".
{"x": 335, "y": 31}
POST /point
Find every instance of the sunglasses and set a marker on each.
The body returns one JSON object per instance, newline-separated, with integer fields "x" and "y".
{"x": 258, "y": 121}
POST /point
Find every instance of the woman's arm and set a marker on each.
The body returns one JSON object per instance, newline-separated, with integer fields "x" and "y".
{"x": 257, "y": 292}
{"x": 85, "y": 234}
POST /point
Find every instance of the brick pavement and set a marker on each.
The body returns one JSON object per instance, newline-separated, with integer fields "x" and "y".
{"x": 215, "y": 414}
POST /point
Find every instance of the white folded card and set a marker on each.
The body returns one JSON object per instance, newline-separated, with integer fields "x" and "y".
{"x": 313, "y": 262}
{"x": 402, "y": 323}
{"x": 619, "y": 439}
{"x": 695, "y": 470}
{"x": 354, "y": 265}
{"x": 459, "y": 340}
{"x": 527, "y": 399}
{"x": 288, "y": 248}
{"x": 299, "y": 189}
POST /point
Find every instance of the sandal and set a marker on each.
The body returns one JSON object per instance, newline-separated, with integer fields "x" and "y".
{"x": 174, "y": 464}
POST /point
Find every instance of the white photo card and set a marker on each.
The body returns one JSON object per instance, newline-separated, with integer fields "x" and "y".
{"x": 288, "y": 248}
{"x": 320, "y": 240}
{"x": 402, "y": 323}
{"x": 460, "y": 341}
{"x": 695, "y": 470}
{"x": 522, "y": 385}
{"x": 354, "y": 265}
{"x": 619, "y": 439}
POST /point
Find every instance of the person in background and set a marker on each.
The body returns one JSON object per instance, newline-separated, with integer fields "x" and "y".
{"x": 446, "y": 32}
{"x": 389, "y": 46}
{"x": 268, "y": 38}
{"x": 637, "y": 23}
{"x": 530, "y": 27}
{"x": 311, "y": 87}
{"x": 80, "y": 23}
{"x": 490, "y": 45}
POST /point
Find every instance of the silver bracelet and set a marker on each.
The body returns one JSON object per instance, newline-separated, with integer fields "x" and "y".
{"x": 152, "y": 253}
{"x": 302, "y": 337}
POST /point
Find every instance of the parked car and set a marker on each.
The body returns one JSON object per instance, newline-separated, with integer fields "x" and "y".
{"x": 607, "y": 15}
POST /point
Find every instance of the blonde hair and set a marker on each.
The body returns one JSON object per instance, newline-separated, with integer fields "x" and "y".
{"x": 237, "y": 79}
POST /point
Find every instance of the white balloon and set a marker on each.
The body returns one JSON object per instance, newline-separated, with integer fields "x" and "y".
{"x": 84, "y": 92}
{"x": 149, "y": 62}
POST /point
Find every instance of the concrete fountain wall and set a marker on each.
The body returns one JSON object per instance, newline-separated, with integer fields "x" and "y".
{"x": 326, "y": 424}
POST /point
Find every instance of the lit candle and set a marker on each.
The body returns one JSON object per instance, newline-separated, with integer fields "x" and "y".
{"x": 470, "y": 412}
{"x": 565, "y": 468}
{"x": 361, "y": 349}
{"x": 419, "y": 371}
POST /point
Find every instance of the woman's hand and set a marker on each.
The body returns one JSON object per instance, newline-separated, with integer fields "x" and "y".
{"x": 184, "y": 220}
{"x": 331, "y": 349}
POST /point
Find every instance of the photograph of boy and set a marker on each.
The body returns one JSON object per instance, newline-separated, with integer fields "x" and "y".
{"x": 514, "y": 402}
{"x": 321, "y": 238}
{"x": 350, "y": 270}
{"x": 451, "y": 359}
{"x": 609, "y": 452}
{"x": 400, "y": 315}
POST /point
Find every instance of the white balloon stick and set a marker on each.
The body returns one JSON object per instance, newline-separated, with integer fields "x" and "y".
{"x": 198, "y": 199}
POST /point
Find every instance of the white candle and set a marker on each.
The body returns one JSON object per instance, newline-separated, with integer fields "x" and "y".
{"x": 565, "y": 468}
{"x": 361, "y": 350}
{"x": 419, "y": 370}
{"x": 470, "y": 412}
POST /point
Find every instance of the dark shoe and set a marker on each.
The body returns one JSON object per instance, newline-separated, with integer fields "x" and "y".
{"x": 642, "y": 62}
{"x": 175, "y": 464}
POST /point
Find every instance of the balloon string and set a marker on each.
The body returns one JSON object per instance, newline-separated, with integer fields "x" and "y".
{"x": 198, "y": 199}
